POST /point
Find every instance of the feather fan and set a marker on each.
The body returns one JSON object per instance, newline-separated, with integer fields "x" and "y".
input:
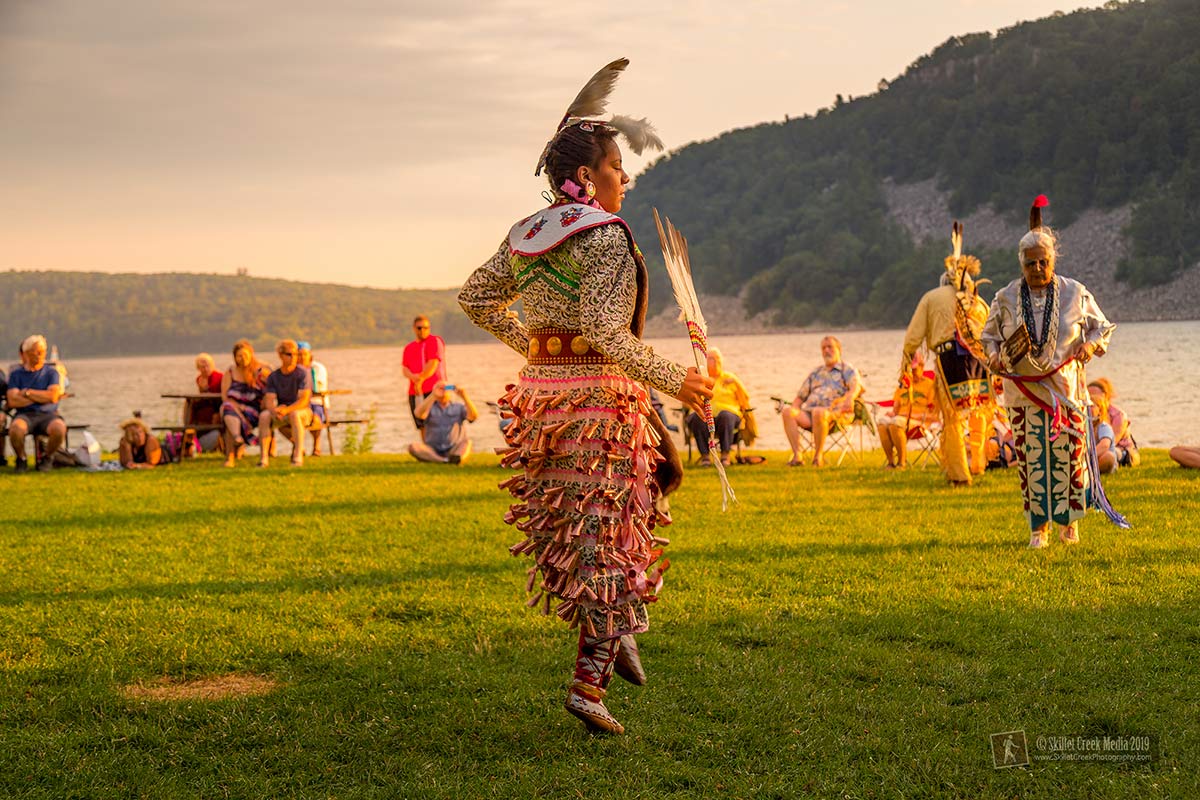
{"x": 679, "y": 269}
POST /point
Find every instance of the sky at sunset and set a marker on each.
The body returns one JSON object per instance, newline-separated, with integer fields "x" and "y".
{"x": 381, "y": 143}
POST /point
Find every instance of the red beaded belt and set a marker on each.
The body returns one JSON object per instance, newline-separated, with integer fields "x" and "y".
{"x": 557, "y": 346}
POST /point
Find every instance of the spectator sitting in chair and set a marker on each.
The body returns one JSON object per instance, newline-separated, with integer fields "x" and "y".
{"x": 912, "y": 409}
{"x": 286, "y": 404}
{"x": 446, "y": 439}
{"x": 320, "y": 383}
{"x": 3, "y": 419}
{"x": 242, "y": 388}
{"x": 34, "y": 390}
{"x": 1106, "y": 448}
{"x": 826, "y": 399}
{"x": 208, "y": 378}
{"x": 1102, "y": 393}
{"x": 1000, "y": 449}
{"x": 729, "y": 398}
{"x": 207, "y": 411}
{"x": 656, "y": 402}
{"x": 138, "y": 448}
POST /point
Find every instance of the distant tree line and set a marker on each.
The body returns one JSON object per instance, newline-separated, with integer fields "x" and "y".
{"x": 1097, "y": 108}
{"x": 90, "y": 314}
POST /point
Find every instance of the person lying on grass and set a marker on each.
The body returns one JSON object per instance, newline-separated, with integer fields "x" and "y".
{"x": 139, "y": 449}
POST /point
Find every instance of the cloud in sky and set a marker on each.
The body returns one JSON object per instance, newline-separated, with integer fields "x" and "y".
{"x": 376, "y": 142}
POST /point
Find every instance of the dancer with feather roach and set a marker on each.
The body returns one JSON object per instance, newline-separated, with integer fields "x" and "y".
{"x": 948, "y": 321}
{"x": 584, "y": 435}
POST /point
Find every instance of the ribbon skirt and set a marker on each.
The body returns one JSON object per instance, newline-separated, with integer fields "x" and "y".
{"x": 1055, "y": 480}
{"x": 585, "y": 498}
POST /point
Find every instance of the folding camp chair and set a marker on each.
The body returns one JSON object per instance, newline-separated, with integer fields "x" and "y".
{"x": 928, "y": 439}
{"x": 927, "y": 436}
{"x": 848, "y": 438}
{"x": 747, "y": 432}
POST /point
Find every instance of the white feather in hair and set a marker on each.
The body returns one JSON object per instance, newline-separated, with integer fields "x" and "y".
{"x": 638, "y": 132}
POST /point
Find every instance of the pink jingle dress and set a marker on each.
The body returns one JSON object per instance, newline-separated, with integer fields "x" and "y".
{"x": 585, "y": 500}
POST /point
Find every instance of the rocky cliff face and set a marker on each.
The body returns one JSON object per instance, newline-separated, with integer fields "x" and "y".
{"x": 724, "y": 314}
{"x": 1090, "y": 249}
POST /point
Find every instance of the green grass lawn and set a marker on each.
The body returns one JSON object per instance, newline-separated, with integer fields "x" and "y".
{"x": 850, "y": 632}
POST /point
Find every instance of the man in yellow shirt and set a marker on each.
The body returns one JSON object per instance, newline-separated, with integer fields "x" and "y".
{"x": 729, "y": 399}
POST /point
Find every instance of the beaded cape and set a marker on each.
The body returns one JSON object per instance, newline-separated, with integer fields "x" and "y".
{"x": 543, "y": 231}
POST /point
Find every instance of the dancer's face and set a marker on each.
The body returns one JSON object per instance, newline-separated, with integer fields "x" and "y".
{"x": 609, "y": 177}
{"x": 1037, "y": 265}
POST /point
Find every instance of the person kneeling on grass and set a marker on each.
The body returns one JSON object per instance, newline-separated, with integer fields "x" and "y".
{"x": 286, "y": 404}
{"x": 446, "y": 439}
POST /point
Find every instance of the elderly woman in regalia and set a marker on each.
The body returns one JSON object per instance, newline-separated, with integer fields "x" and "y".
{"x": 1041, "y": 331}
{"x": 584, "y": 433}
{"x": 948, "y": 321}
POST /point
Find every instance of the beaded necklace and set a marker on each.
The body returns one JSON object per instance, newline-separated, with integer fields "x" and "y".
{"x": 1049, "y": 320}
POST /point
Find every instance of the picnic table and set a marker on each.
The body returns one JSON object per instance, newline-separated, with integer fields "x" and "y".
{"x": 189, "y": 428}
{"x": 329, "y": 424}
{"x": 191, "y": 399}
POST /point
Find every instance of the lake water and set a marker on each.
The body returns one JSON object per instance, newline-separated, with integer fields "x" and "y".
{"x": 1152, "y": 365}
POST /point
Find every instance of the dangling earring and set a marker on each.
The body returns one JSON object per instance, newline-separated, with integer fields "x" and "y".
{"x": 590, "y": 188}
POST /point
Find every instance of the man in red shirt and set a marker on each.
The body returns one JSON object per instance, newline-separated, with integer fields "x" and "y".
{"x": 424, "y": 365}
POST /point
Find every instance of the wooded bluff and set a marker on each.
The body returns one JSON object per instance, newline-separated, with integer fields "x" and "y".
{"x": 835, "y": 219}
{"x": 810, "y": 220}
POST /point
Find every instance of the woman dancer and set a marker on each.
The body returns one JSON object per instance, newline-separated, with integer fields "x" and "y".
{"x": 1041, "y": 331}
{"x": 582, "y": 429}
